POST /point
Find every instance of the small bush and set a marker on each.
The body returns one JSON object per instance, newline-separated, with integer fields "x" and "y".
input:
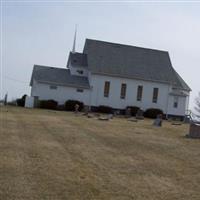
{"x": 70, "y": 105}
{"x": 48, "y": 104}
{"x": 105, "y": 109}
{"x": 21, "y": 101}
{"x": 152, "y": 112}
{"x": 134, "y": 109}
{"x": 61, "y": 107}
{"x": 12, "y": 103}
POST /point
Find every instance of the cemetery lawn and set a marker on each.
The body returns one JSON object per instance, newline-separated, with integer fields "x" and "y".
{"x": 59, "y": 156}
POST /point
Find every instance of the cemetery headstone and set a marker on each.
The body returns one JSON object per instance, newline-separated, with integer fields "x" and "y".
{"x": 158, "y": 121}
{"x": 128, "y": 112}
{"x": 86, "y": 110}
{"x": 76, "y": 107}
{"x": 139, "y": 114}
{"x": 194, "y": 131}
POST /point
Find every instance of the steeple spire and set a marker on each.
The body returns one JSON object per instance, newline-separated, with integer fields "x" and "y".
{"x": 74, "y": 44}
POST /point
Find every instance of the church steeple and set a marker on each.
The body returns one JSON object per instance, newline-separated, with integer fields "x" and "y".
{"x": 74, "y": 43}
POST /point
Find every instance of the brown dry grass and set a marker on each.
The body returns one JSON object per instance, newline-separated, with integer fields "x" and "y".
{"x": 56, "y": 155}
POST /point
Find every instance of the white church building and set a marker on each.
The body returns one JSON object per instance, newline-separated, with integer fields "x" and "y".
{"x": 114, "y": 75}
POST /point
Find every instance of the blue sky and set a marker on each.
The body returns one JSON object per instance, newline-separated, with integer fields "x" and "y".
{"x": 38, "y": 32}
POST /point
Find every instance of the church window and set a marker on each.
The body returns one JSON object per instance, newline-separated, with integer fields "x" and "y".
{"x": 106, "y": 88}
{"x": 79, "y": 71}
{"x": 155, "y": 95}
{"x": 175, "y": 102}
{"x": 53, "y": 87}
{"x": 79, "y": 90}
{"x": 123, "y": 91}
{"x": 139, "y": 93}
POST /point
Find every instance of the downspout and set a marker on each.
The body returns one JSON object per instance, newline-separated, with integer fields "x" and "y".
{"x": 97, "y": 96}
{"x": 91, "y": 88}
{"x": 167, "y": 102}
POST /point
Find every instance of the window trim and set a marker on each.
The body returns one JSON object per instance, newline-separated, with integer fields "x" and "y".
{"x": 175, "y": 103}
{"x": 139, "y": 92}
{"x": 155, "y": 95}
{"x": 123, "y": 91}
{"x": 79, "y": 90}
{"x": 53, "y": 87}
{"x": 106, "y": 88}
{"x": 79, "y": 71}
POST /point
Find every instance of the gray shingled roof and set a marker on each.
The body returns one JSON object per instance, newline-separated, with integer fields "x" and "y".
{"x": 131, "y": 62}
{"x": 78, "y": 59}
{"x": 57, "y": 76}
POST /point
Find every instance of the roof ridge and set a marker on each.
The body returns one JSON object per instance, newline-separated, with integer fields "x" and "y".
{"x": 77, "y": 53}
{"x": 45, "y": 66}
{"x": 126, "y": 45}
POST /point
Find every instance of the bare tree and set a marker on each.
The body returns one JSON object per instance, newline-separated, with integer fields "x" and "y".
{"x": 197, "y": 106}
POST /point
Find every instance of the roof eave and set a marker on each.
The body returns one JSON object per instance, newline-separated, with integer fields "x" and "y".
{"x": 137, "y": 78}
{"x": 129, "y": 77}
{"x": 31, "y": 81}
{"x": 69, "y": 58}
{"x": 183, "y": 88}
{"x": 60, "y": 84}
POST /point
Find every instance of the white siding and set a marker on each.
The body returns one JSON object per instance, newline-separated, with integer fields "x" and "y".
{"x": 164, "y": 102}
{"x": 95, "y": 96}
{"x": 61, "y": 94}
{"x": 97, "y": 83}
{"x": 181, "y": 108}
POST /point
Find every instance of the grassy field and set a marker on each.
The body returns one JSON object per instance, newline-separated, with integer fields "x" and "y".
{"x": 57, "y": 155}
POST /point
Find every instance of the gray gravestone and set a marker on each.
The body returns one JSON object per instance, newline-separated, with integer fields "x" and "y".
{"x": 158, "y": 121}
